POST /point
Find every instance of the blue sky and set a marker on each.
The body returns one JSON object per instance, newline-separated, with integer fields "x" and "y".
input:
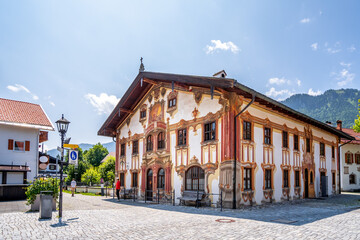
{"x": 79, "y": 57}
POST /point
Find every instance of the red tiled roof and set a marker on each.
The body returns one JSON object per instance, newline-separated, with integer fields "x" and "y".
{"x": 111, "y": 154}
{"x": 352, "y": 133}
{"x": 23, "y": 112}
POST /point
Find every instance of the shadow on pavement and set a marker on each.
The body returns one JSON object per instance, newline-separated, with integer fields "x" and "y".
{"x": 295, "y": 213}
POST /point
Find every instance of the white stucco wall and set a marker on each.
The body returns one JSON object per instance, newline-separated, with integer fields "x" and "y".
{"x": 353, "y": 168}
{"x": 9, "y": 157}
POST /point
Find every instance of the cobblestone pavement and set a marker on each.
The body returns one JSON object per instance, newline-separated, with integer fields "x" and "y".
{"x": 104, "y": 218}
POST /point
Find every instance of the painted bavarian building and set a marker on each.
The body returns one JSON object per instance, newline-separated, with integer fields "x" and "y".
{"x": 177, "y": 132}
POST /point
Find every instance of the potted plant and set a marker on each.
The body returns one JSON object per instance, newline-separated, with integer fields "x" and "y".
{"x": 39, "y": 185}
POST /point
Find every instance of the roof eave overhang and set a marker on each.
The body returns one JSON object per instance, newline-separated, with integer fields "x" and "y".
{"x": 26, "y": 125}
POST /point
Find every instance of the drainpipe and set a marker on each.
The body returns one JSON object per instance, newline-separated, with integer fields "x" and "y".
{"x": 339, "y": 159}
{"x": 235, "y": 160}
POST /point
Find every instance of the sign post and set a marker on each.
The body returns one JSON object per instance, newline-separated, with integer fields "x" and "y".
{"x": 73, "y": 157}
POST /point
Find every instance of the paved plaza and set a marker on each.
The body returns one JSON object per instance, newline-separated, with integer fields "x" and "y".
{"x": 92, "y": 217}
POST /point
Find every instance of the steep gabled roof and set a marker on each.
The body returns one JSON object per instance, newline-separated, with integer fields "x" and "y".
{"x": 352, "y": 133}
{"x": 144, "y": 80}
{"x": 23, "y": 114}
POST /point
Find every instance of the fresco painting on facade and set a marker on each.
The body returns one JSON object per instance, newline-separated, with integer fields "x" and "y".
{"x": 178, "y": 134}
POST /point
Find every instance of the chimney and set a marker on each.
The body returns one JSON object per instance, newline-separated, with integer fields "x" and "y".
{"x": 339, "y": 125}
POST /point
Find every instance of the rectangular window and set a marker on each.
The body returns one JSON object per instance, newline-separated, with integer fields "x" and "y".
{"x": 297, "y": 178}
{"x": 172, "y": 102}
{"x": 135, "y": 147}
{"x": 286, "y": 178}
{"x": 267, "y": 136}
{"x": 296, "y": 142}
{"x": 267, "y": 178}
{"x": 333, "y": 179}
{"x": 134, "y": 179}
{"x": 285, "y": 139}
{"x": 209, "y": 131}
{"x": 19, "y": 146}
{"x": 122, "y": 149}
{"x": 182, "y": 137}
{"x": 322, "y": 149}
{"x": 348, "y": 158}
{"x": 143, "y": 114}
{"x": 308, "y": 145}
{"x": 247, "y": 179}
{"x": 357, "y": 158}
{"x": 332, "y": 151}
{"x": 122, "y": 179}
{"x": 247, "y": 130}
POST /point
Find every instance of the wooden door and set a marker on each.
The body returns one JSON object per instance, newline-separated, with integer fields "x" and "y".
{"x": 149, "y": 185}
{"x": 306, "y": 183}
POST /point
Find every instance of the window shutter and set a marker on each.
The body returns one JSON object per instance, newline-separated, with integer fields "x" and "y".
{"x": 11, "y": 144}
{"x": 352, "y": 158}
{"x": 27, "y": 145}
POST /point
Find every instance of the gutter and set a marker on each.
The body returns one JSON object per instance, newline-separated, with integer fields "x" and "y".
{"x": 235, "y": 150}
{"x": 339, "y": 159}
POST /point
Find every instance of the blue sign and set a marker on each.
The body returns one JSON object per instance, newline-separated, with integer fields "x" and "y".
{"x": 73, "y": 157}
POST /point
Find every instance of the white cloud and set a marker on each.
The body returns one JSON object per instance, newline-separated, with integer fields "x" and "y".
{"x": 298, "y": 82}
{"x": 352, "y": 48}
{"x": 313, "y": 93}
{"x": 344, "y": 76}
{"x": 314, "y": 46}
{"x": 305, "y": 20}
{"x": 333, "y": 50}
{"x": 19, "y": 88}
{"x": 283, "y": 94}
{"x": 225, "y": 46}
{"x": 279, "y": 81}
{"x": 103, "y": 103}
{"x": 52, "y": 104}
{"x": 347, "y": 65}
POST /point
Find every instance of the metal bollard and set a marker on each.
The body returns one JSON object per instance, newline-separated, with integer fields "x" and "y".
{"x": 173, "y": 198}
{"x": 158, "y": 196}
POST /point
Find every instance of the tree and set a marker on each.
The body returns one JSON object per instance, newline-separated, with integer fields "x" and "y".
{"x": 91, "y": 176}
{"x": 106, "y": 168}
{"x": 95, "y": 154}
{"x": 356, "y": 126}
{"x": 73, "y": 172}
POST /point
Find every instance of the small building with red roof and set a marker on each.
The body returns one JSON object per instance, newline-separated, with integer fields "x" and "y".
{"x": 23, "y": 126}
{"x": 350, "y": 160}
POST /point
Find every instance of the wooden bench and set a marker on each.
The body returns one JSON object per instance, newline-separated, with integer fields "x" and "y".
{"x": 192, "y": 196}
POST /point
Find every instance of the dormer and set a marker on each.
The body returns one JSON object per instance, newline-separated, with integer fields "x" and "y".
{"x": 221, "y": 74}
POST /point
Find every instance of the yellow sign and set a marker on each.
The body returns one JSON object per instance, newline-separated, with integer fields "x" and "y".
{"x": 73, "y": 146}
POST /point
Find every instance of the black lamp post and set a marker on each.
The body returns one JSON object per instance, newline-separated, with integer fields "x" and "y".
{"x": 62, "y": 126}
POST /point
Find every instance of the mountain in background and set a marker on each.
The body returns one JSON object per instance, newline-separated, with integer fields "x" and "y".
{"x": 110, "y": 146}
{"x": 330, "y": 106}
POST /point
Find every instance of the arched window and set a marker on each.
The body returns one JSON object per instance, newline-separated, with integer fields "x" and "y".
{"x": 311, "y": 177}
{"x": 149, "y": 143}
{"x": 195, "y": 179}
{"x": 352, "y": 178}
{"x": 161, "y": 140}
{"x": 161, "y": 179}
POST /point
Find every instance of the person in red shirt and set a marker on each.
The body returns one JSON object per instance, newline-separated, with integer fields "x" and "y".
{"x": 117, "y": 187}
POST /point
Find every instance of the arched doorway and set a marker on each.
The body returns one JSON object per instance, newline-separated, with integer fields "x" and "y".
{"x": 306, "y": 183}
{"x": 195, "y": 179}
{"x": 149, "y": 185}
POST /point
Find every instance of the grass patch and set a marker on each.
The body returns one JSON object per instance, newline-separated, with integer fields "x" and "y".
{"x": 83, "y": 193}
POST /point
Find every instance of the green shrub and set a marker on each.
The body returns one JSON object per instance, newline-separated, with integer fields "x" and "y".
{"x": 39, "y": 185}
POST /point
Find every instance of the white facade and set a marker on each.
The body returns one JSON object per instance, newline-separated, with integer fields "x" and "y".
{"x": 350, "y": 168}
{"x": 13, "y": 157}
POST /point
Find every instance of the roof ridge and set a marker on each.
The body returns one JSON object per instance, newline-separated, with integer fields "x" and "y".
{"x": 19, "y": 101}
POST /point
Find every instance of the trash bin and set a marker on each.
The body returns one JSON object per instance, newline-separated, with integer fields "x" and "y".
{"x": 46, "y": 201}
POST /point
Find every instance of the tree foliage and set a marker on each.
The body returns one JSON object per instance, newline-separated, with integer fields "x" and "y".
{"x": 91, "y": 176}
{"x": 331, "y": 106}
{"x": 356, "y": 126}
{"x": 73, "y": 172}
{"x": 106, "y": 168}
{"x": 95, "y": 154}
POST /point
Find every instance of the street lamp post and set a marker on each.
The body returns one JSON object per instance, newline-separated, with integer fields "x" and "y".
{"x": 62, "y": 126}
